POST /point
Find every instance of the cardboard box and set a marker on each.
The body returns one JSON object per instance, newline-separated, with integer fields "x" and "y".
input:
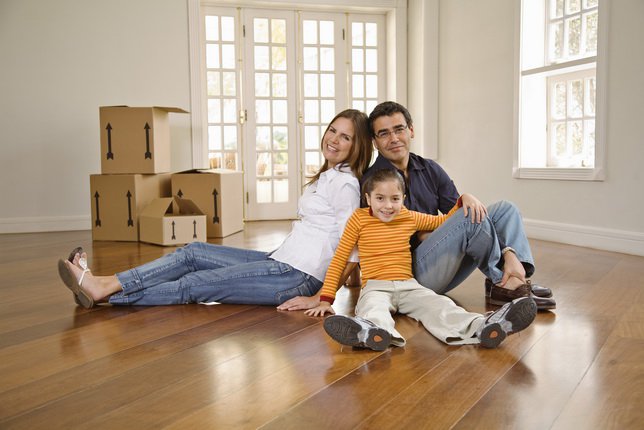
{"x": 218, "y": 193}
{"x": 117, "y": 201}
{"x": 172, "y": 221}
{"x": 135, "y": 139}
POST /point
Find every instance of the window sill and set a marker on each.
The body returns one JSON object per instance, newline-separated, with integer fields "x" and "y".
{"x": 561, "y": 174}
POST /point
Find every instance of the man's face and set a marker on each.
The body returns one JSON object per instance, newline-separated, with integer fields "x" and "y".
{"x": 393, "y": 137}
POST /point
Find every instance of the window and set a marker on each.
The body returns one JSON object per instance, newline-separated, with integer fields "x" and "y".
{"x": 560, "y": 110}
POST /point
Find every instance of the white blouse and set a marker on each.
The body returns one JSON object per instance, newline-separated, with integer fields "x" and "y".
{"x": 323, "y": 209}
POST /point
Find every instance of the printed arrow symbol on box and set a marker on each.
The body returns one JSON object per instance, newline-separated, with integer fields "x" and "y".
{"x": 180, "y": 193}
{"x": 194, "y": 228}
{"x": 130, "y": 222}
{"x": 110, "y": 155}
{"x": 215, "y": 219}
{"x": 98, "y": 215}
{"x": 148, "y": 154}
{"x": 173, "y": 236}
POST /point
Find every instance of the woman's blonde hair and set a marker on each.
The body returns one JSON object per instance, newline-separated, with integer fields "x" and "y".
{"x": 361, "y": 149}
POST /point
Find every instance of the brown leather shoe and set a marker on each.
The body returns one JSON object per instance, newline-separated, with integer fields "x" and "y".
{"x": 537, "y": 289}
{"x": 499, "y": 296}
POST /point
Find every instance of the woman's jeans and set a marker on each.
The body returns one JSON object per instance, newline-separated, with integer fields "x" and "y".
{"x": 452, "y": 252}
{"x": 202, "y": 272}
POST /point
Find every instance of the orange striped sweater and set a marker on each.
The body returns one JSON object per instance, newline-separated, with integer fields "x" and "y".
{"x": 383, "y": 247}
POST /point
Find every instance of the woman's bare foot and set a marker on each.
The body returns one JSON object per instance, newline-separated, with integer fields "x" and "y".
{"x": 98, "y": 287}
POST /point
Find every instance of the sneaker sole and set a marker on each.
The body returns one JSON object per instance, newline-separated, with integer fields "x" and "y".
{"x": 494, "y": 302}
{"x": 520, "y": 315}
{"x": 492, "y": 336}
{"x": 345, "y": 331}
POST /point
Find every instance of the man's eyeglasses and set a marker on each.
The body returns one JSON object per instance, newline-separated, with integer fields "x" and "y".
{"x": 386, "y": 134}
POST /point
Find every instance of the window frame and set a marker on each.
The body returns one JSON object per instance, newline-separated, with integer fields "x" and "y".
{"x": 543, "y": 71}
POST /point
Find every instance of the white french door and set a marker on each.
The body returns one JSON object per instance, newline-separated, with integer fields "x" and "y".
{"x": 274, "y": 80}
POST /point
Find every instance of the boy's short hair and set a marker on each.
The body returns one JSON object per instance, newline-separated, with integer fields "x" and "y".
{"x": 383, "y": 175}
{"x": 388, "y": 108}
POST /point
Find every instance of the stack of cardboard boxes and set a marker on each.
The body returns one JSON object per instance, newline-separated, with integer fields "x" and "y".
{"x": 131, "y": 198}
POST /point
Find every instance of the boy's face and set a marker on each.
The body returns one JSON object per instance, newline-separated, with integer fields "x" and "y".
{"x": 386, "y": 200}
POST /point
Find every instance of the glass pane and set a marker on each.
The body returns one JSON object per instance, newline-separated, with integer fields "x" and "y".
{"x": 371, "y": 34}
{"x": 280, "y": 112}
{"x": 357, "y": 60}
{"x": 280, "y": 138}
{"x": 576, "y": 98}
{"x": 310, "y": 58}
{"x": 590, "y": 3}
{"x": 590, "y": 21}
{"x": 327, "y": 110}
{"x": 214, "y": 110}
{"x": 262, "y": 85}
{"x": 371, "y": 86}
{"x": 589, "y": 99}
{"x": 358, "y": 104}
{"x": 327, "y": 85}
{"x": 228, "y": 56}
{"x": 281, "y": 190}
{"x": 311, "y": 137}
{"x": 358, "y": 86}
{"x": 556, "y": 8}
{"x": 212, "y": 28}
{"x": 261, "y": 57}
{"x": 559, "y": 101}
{"x": 212, "y": 56}
{"x": 263, "y": 166}
{"x": 260, "y": 30}
{"x": 262, "y": 138}
{"x": 213, "y": 84}
{"x": 312, "y": 163}
{"x": 574, "y": 35}
{"x": 279, "y": 85}
{"x": 357, "y": 35}
{"x": 278, "y": 57}
{"x": 556, "y": 41}
{"x": 227, "y": 28}
{"x": 230, "y": 137}
{"x": 589, "y": 144}
{"x": 371, "y": 60}
{"x": 230, "y": 110}
{"x": 326, "y": 33}
{"x": 229, "y": 83}
{"x": 371, "y": 104}
{"x": 214, "y": 138}
{"x": 559, "y": 137}
{"x": 231, "y": 160}
{"x": 573, "y": 6}
{"x": 309, "y": 32}
{"x": 262, "y": 111}
{"x": 576, "y": 136}
{"x": 310, "y": 85}
{"x": 278, "y": 31}
{"x": 215, "y": 161}
{"x": 327, "y": 59}
{"x": 264, "y": 191}
{"x": 311, "y": 112}
{"x": 280, "y": 163}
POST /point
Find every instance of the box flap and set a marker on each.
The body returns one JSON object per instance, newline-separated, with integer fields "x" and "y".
{"x": 171, "y": 109}
{"x": 220, "y": 171}
{"x": 157, "y": 207}
{"x": 187, "y": 207}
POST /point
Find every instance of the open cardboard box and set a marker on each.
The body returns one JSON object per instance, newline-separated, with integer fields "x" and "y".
{"x": 172, "y": 221}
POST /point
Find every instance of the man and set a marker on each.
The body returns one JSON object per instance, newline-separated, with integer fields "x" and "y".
{"x": 447, "y": 256}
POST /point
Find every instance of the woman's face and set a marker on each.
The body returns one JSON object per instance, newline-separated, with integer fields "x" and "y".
{"x": 337, "y": 141}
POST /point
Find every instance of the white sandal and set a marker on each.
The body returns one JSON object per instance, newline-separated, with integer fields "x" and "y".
{"x": 81, "y": 297}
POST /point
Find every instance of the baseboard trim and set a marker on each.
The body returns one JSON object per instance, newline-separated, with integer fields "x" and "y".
{"x": 627, "y": 242}
{"x": 44, "y": 224}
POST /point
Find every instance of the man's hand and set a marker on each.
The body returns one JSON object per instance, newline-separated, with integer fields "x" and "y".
{"x": 320, "y": 310}
{"x": 299, "y": 303}
{"x": 473, "y": 208}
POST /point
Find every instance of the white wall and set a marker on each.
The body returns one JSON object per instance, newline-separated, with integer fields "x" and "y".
{"x": 475, "y": 127}
{"x": 61, "y": 60}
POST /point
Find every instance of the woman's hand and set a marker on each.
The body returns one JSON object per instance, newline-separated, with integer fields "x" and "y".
{"x": 320, "y": 310}
{"x": 473, "y": 208}
{"x": 299, "y": 303}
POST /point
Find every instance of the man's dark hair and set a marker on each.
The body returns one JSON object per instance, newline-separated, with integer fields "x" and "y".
{"x": 388, "y": 109}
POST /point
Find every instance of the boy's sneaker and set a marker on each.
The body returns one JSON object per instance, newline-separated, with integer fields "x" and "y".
{"x": 356, "y": 331}
{"x": 511, "y": 318}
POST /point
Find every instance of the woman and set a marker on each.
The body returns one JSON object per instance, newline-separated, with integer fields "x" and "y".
{"x": 203, "y": 272}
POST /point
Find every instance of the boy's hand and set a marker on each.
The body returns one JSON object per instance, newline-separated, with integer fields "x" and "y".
{"x": 320, "y": 310}
{"x": 473, "y": 208}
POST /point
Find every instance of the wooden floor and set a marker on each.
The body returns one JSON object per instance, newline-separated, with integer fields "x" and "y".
{"x": 237, "y": 367}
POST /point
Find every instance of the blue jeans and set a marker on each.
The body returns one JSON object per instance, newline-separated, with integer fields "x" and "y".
{"x": 452, "y": 252}
{"x": 203, "y": 272}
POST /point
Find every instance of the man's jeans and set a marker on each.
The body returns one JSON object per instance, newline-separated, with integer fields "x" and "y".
{"x": 452, "y": 252}
{"x": 202, "y": 272}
